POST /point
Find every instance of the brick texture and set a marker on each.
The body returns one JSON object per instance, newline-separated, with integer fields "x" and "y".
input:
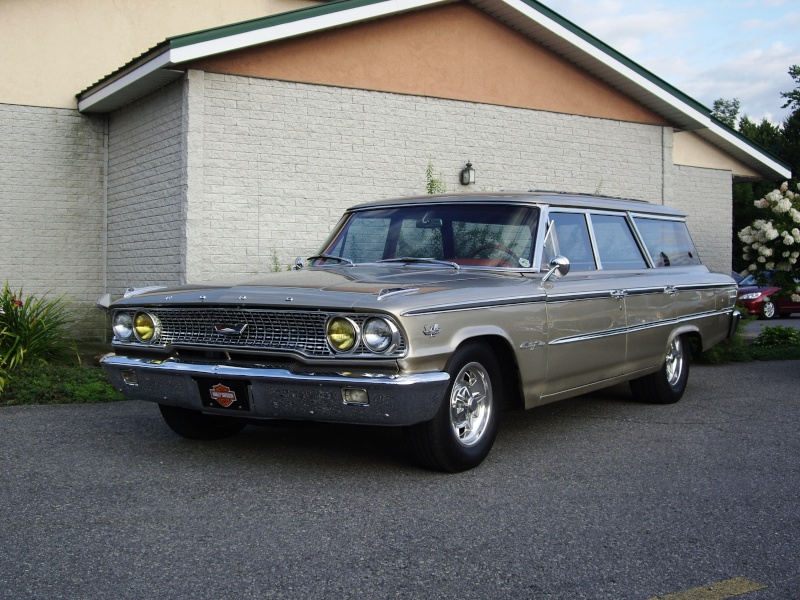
{"x": 281, "y": 161}
{"x": 705, "y": 196}
{"x": 146, "y": 161}
{"x": 51, "y": 206}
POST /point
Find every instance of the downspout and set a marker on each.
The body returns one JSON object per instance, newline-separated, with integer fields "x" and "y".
{"x": 106, "y": 118}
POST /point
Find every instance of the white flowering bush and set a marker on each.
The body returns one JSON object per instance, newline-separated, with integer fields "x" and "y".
{"x": 773, "y": 243}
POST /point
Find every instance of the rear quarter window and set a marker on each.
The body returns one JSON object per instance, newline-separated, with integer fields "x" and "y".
{"x": 668, "y": 242}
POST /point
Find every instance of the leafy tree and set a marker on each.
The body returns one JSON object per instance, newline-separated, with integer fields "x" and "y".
{"x": 726, "y": 111}
{"x": 793, "y": 97}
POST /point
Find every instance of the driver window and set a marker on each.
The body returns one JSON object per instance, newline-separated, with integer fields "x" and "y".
{"x": 568, "y": 236}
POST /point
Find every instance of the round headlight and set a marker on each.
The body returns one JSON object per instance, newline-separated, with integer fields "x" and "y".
{"x": 342, "y": 334}
{"x": 379, "y": 334}
{"x": 145, "y": 326}
{"x": 123, "y": 326}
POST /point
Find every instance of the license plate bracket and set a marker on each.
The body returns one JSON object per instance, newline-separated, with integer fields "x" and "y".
{"x": 224, "y": 394}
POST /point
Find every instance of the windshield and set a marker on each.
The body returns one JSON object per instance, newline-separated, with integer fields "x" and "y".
{"x": 489, "y": 235}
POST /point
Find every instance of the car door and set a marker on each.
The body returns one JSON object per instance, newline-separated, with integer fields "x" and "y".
{"x": 586, "y": 323}
{"x": 650, "y": 299}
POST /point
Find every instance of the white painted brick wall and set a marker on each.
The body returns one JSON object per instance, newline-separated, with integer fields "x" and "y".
{"x": 705, "y": 196}
{"x": 145, "y": 191}
{"x": 282, "y": 160}
{"x": 51, "y": 211}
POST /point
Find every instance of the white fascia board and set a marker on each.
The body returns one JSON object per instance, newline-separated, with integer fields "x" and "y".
{"x": 703, "y": 120}
{"x": 154, "y": 64}
{"x": 296, "y": 28}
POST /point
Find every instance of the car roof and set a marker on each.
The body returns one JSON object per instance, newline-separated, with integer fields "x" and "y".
{"x": 558, "y": 199}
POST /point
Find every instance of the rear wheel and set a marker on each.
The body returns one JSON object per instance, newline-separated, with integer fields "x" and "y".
{"x": 194, "y": 425}
{"x": 667, "y": 385}
{"x": 462, "y": 433}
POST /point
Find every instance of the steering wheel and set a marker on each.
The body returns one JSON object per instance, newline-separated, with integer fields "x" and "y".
{"x": 504, "y": 249}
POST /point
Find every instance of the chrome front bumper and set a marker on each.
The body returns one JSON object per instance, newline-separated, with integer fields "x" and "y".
{"x": 275, "y": 393}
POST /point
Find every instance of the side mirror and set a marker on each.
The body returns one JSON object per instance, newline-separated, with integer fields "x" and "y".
{"x": 559, "y": 266}
{"x": 298, "y": 264}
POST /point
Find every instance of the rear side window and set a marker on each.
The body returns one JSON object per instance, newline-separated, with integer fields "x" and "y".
{"x": 668, "y": 242}
{"x": 616, "y": 246}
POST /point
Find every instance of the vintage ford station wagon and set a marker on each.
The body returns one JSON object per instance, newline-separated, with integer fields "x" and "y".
{"x": 433, "y": 314}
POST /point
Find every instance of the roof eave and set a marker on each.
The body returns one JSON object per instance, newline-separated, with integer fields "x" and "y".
{"x": 163, "y": 64}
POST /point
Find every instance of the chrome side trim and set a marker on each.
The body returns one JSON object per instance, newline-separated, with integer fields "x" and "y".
{"x": 642, "y": 327}
{"x": 478, "y": 304}
{"x": 589, "y": 336}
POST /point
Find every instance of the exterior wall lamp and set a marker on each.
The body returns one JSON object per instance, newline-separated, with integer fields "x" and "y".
{"x": 468, "y": 174}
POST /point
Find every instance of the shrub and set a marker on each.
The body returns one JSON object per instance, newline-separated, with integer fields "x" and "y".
{"x": 773, "y": 242}
{"x": 777, "y": 336}
{"x": 31, "y": 331}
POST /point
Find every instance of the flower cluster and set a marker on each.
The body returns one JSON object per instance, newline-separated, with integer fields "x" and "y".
{"x": 773, "y": 243}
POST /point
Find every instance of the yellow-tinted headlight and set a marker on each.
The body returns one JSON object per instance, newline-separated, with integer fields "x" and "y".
{"x": 342, "y": 334}
{"x": 145, "y": 326}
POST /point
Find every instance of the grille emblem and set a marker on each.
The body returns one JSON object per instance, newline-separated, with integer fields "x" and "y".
{"x": 231, "y": 328}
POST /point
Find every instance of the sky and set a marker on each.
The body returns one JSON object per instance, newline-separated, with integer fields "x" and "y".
{"x": 708, "y": 49}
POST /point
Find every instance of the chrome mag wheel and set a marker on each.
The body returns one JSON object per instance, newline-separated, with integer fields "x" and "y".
{"x": 674, "y": 362}
{"x": 470, "y": 403}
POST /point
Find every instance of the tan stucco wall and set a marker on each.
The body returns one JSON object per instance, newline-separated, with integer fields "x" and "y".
{"x": 49, "y": 51}
{"x": 693, "y": 151}
{"x": 454, "y": 51}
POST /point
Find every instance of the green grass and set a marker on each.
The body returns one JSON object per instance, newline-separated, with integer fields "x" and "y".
{"x": 58, "y": 384}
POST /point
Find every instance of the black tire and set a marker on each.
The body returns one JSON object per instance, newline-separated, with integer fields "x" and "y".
{"x": 194, "y": 425}
{"x": 667, "y": 385}
{"x": 462, "y": 433}
{"x": 768, "y": 310}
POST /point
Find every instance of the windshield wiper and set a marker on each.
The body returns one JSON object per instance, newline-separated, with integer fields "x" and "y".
{"x": 430, "y": 261}
{"x": 347, "y": 261}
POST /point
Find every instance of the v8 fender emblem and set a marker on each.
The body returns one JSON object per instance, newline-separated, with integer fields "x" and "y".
{"x": 431, "y": 330}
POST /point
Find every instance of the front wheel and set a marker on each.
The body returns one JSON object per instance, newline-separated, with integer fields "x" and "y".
{"x": 194, "y": 425}
{"x": 668, "y": 384}
{"x": 768, "y": 310}
{"x": 462, "y": 433}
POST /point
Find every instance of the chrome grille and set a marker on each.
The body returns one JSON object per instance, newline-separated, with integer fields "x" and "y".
{"x": 271, "y": 330}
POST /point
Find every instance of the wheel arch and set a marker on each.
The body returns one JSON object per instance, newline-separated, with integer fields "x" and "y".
{"x": 692, "y": 335}
{"x": 509, "y": 368}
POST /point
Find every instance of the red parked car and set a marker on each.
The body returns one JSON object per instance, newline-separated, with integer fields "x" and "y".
{"x": 762, "y": 300}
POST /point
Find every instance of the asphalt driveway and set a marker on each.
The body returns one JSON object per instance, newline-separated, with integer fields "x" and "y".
{"x": 596, "y": 497}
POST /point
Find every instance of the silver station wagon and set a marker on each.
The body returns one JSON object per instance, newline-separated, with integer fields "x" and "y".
{"x": 434, "y": 314}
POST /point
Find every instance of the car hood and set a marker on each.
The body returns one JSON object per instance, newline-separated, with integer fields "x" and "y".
{"x": 368, "y": 286}
{"x": 749, "y": 289}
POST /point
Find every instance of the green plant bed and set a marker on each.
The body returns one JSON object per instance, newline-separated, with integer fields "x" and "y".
{"x": 773, "y": 343}
{"x": 776, "y": 353}
{"x": 58, "y": 384}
